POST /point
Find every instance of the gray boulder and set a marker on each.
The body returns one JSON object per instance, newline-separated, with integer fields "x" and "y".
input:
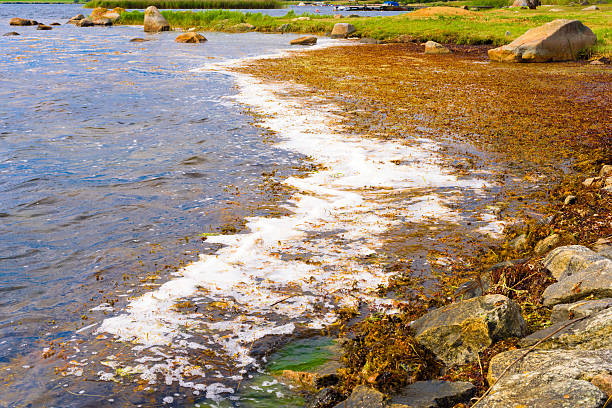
{"x": 595, "y": 280}
{"x": 154, "y": 22}
{"x": 559, "y": 40}
{"x": 593, "y": 332}
{"x": 363, "y": 397}
{"x": 457, "y": 332}
{"x": 434, "y": 394}
{"x": 565, "y": 312}
{"x": 567, "y": 260}
{"x": 342, "y": 30}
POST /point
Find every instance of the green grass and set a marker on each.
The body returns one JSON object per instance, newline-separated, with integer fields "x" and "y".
{"x": 187, "y": 4}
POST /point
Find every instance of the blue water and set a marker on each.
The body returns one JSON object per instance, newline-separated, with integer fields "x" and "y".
{"x": 114, "y": 156}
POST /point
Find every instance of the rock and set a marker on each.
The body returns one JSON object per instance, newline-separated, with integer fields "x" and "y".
{"x": 542, "y": 390}
{"x": 191, "y": 38}
{"x": 363, "y": 397}
{"x": 10, "y": 34}
{"x": 84, "y": 23}
{"x": 76, "y": 18}
{"x": 97, "y": 12}
{"x": 154, "y": 21}
{"x": 593, "y": 182}
{"x": 559, "y": 40}
{"x": 242, "y": 27}
{"x": 113, "y": 16}
{"x": 590, "y": 8}
{"x": 532, "y": 4}
{"x": 570, "y": 199}
{"x": 353, "y": 16}
{"x": 577, "y": 364}
{"x": 595, "y": 280}
{"x": 301, "y": 19}
{"x": 434, "y": 394}
{"x": 102, "y": 22}
{"x": 336, "y": 16}
{"x": 138, "y": 40}
{"x": 565, "y": 312}
{"x": 300, "y": 379}
{"x": 519, "y": 243}
{"x": 432, "y": 47}
{"x": 342, "y": 30}
{"x": 481, "y": 284}
{"x": 22, "y": 22}
{"x": 606, "y": 171}
{"x": 457, "y": 332}
{"x": 55, "y": 24}
{"x": 603, "y": 382}
{"x": 369, "y": 41}
{"x": 325, "y": 398}
{"x": 44, "y": 27}
{"x": 308, "y": 40}
{"x": 593, "y": 332}
{"x": 547, "y": 244}
{"x": 565, "y": 261}
{"x": 507, "y": 33}
{"x": 603, "y": 246}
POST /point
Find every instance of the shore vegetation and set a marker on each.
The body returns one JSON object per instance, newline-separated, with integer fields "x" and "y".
{"x": 187, "y": 4}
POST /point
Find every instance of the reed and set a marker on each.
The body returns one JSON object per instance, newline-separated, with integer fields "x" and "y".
{"x": 187, "y": 4}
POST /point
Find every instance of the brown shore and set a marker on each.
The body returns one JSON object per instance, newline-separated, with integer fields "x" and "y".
{"x": 535, "y": 130}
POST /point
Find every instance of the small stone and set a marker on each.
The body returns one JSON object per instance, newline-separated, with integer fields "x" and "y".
{"x": 547, "y": 244}
{"x": 593, "y": 182}
{"x": 307, "y": 40}
{"x": 432, "y": 47}
{"x": 138, "y": 40}
{"x": 191, "y": 38}
{"x": 519, "y": 243}
{"x": 570, "y": 199}
{"x": 10, "y": 34}
{"x": 363, "y": 397}
{"x": 603, "y": 381}
{"x": 606, "y": 171}
{"x": 55, "y": 24}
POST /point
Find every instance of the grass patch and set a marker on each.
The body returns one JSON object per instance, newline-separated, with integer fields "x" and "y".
{"x": 187, "y": 4}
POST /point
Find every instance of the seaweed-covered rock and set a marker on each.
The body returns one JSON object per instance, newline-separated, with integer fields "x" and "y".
{"x": 593, "y": 332}
{"x": 363, "y": 397}
{"x": 342, "y": 30}
{"x": 456, "y": 332}
{"x": 434, "y": 394}
{"x": 567, "y": 260}
{"x": 559, "y": 40}
{"x": 595, "y": 280}
{"x": 565, "y": 312}
{"x": 307, "y": 40}
{"x": 154, "y": 21}
{"x": 191, "y": 38}
{"x": 432, "y": 47}
{"x": 547, "y": 244}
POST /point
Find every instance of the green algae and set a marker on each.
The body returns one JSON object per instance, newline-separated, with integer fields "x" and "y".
{"x": 302, "y": 355}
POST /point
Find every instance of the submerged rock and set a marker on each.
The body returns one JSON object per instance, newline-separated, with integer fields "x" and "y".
{"x": 10, "y": 34}
{"x": 363, "y": 397}
{"x": 591, "y": 333}
{"x": 307, "y": 40}
{"x": 22, "y": 22}
{"x": 192, "y": 38}
{"x": 432, "y": 47}
{"x": 342, "y": 30}
{"x": 154, "y": 21}
{"x": 44, "y": 27}
{"x": 457, "y": 332}
{"x": 139, "y": 40}
{"x": 434, "y": 394}
{"x": 559, "y": 40}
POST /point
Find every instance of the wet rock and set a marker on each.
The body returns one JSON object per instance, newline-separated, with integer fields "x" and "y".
{"x": 139, "y": 40}
{"x": 570, "y": 199}
{"x": 603, "y": 381}
{"x": 191, "y": 38}
{"x": 84, "y": 23}
{"x": 565, "y": 312}
{"x": 547, "y": 244}
{"x": 102, "y": 22}
{"x": 565, "y": 261}
{"x": 300, "y": 379}
{"x": 432, "y": 47}
{"x": 595, "y": 280}
{"x": 44, "y": 27}
{"x": 559, "y": 40}
{"x": 593, "y": 332}
{"x": 369, "y": 41}
{"x": 456, "y": 332}
{"x": 10, "y": 34}
{"x": 307, "y": 40}
{"x": 326, "y": 380}
{"x": 542, "y": 390}
{"x": 22, "y": 22}
{"x": 363, "y": 397}
{"x": 434, "y": 394}
{"x": 578, "y": 364}
{"x": 590, "y": 8}
{"x": 342, "y": 30}
{"x": 76, "y": 18}
{"x": 154, "y": 22}
{"x": 606, "y": 171}
{"x": 97, "y": 12}
{"x": 325, "y": 398}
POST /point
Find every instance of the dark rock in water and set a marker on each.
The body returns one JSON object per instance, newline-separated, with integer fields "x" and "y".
{"x": 44, "y": 27}
{"x": 583, "y": 308}
{"x": 10, "y": 34}
{"x": 457, "y": 332}
{"x": 138, "y": 40}
{"x": 307, "y": 40}
{"x": 369, "y": 41}
{"x": 22, "y": 22}
{"x": 76, "y": 18}
{"x": 55, "y": 24}
{"x": 363, "y": 397}
{"x": 435, "y": 394}
{"x": 84, "y": 23}
{"x": 594, "y": 332}
{"x": 154, "y": 21}
{"x": 326, "y": 398}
